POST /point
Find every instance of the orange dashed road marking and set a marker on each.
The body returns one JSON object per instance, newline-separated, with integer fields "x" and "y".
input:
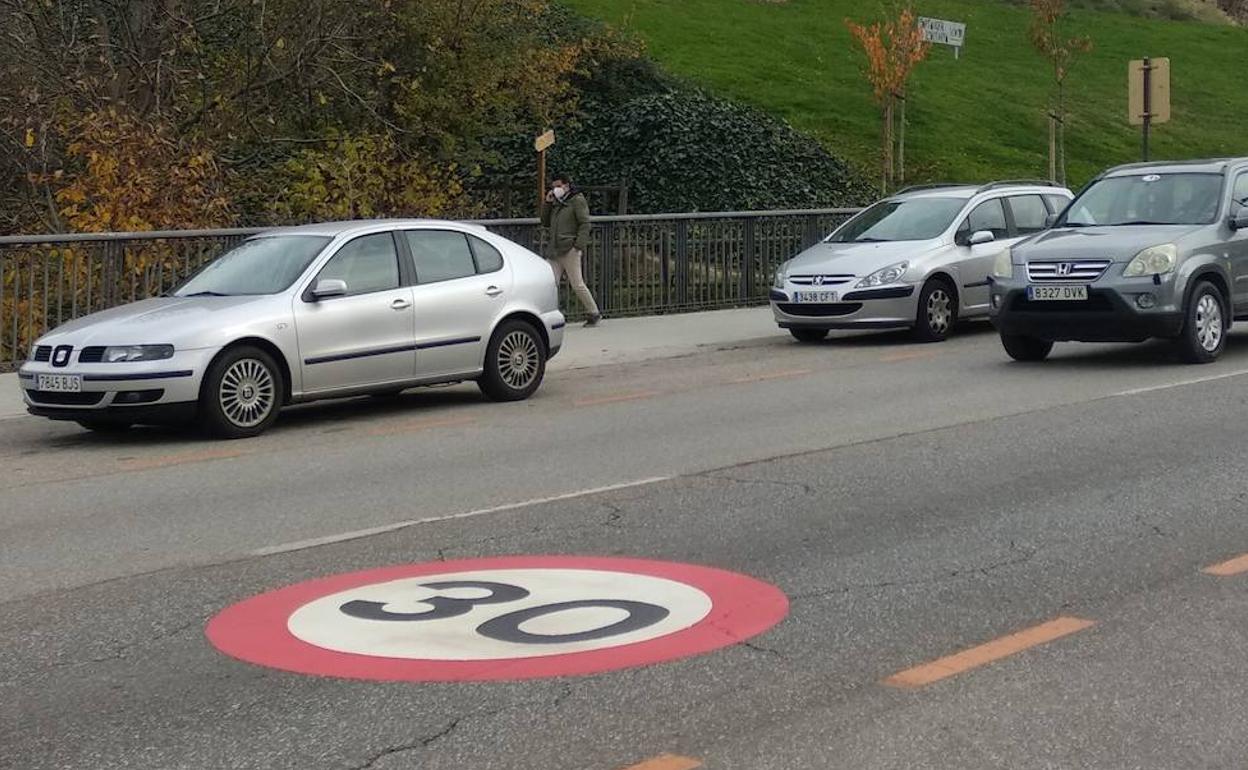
{"x": 1227, "y": 568}
{"x": 667, "y": 762}
{"x": 616, "y": 399}
{"x": 413, "y": 426}
{"x": 161, "y": 461}
{"x": 923, "y": 675}
{"x": 771, "y": 376}
{"x": 909, "y": 355}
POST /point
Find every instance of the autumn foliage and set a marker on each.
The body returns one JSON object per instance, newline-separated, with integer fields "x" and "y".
{"x": 1048, "y": 37}
{"x": 893, "y": 48}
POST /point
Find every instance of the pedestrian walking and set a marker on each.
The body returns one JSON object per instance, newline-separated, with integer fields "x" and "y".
{"x": 565, "y": 212}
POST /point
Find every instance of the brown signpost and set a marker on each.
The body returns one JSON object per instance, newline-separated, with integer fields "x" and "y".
{"x": 541, "y": 144}
{"x": 1148, "y": 95}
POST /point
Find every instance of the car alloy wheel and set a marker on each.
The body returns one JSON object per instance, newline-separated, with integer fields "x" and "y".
{"x": 939, "y": 312}
{"x": 248, "y": 393}
{"x": 1209, "y": 323}
{"x": 518, "y": 359}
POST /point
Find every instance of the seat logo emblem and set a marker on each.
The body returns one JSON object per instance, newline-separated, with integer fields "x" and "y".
{"x": 817, "y": 280}
{"x": 61, "y": 356}
{"x": 1064, "y": 268}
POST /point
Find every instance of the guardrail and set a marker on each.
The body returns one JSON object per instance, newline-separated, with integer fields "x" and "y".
{"x": 635, "y": 265}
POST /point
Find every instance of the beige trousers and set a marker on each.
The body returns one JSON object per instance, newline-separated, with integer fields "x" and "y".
{"x": 570, "y": 263}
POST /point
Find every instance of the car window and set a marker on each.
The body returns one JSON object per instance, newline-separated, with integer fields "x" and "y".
{"x": 440, "y": 255}
{"x": 989, "y": 215}
{"x": 1057, "y": 203}
{"x": 489, "y": 259}
{"x": 1148, "y": 198}
{"x": 913, "y": 219}
{"x": 263, "y": 265}
{"x": 1240, "y": 193}
{"x": 1029, "y": 213}
{"x": 366, "y": 264}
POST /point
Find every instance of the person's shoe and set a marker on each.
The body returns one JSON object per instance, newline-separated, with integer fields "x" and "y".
{"x": 594, "y": 319}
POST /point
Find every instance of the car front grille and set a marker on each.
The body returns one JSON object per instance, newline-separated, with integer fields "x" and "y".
{"x": 91, "y": 355}
{"x": 43, "y": 354}
{"x": 820, "y": 279}
{"x": 813, "y": 309}
{"x": 1075, "y": 270}
{"x": 53, "y": 398}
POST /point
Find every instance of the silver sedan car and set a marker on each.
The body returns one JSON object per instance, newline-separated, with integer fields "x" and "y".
{"x": 918, "y": 260}
{"x": 300, "y": 314}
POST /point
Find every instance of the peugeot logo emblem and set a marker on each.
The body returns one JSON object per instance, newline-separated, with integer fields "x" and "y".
{"x": 817, "y": 280}
{"x": 1064, "y": 268}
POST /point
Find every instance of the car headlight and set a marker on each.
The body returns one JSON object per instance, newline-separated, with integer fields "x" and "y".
{"x": 128, "y": 353}
{"x": 1003, "y": 265}
{"x": 890, "y": 274}
{"x": 1155, "y": 260}
{"x": 778, "y": 281}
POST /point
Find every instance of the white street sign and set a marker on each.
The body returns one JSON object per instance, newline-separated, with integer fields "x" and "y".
{"x": 942, "y": 32}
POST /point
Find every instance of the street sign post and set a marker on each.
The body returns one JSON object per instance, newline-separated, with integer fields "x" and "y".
{"x": 941, "y": 32}
{"x": 542, "y": 143}
{"x": 1148, "y": 96}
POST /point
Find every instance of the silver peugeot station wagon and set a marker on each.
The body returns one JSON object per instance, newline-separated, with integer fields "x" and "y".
{"x": 307, "y": 313}
{"x": 918, "y": 260}
{"x": 1146, "y": 250}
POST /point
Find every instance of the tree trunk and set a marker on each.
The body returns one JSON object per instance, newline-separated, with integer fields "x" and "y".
{"x": 888, "y": 144}
{"x": 901, "y": 144}
{"x": 1061, "y": 132}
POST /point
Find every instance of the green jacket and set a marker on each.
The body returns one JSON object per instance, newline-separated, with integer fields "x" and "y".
{"x": 568, "y": 221}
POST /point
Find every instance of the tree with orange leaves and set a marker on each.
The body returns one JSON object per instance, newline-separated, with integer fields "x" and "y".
{"x": 1048, "y": 40}
{"x": 893, "y": 49}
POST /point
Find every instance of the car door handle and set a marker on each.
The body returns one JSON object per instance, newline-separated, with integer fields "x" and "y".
{"x": 493, "y": 291}
{"x": 400, "y": 304}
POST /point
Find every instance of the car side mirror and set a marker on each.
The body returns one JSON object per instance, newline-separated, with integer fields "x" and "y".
{"x": 1239, "y": 220}
{"x": 329, "y": 287}
{"x": 981, "y": 236}
{"x": 1050, "y": 220}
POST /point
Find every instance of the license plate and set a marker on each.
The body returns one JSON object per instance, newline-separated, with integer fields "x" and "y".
{"x": 814, "y": 296}
{"x": 1057, "y": 293}
{"x": 59, "y": 383}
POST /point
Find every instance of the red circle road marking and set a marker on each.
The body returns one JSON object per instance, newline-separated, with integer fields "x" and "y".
{"x": 255, "y": 630}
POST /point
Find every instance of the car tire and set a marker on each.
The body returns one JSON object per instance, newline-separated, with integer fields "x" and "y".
{"x": 106, "y": 426}
{"x": 1204, "y": 325}
{"x": 241, "y": 394}
{"x": 937, "y": 311}
{"x": 1023, "y": 348}
{"x": 515, "y": 362}
{"x": 809, "y": 335}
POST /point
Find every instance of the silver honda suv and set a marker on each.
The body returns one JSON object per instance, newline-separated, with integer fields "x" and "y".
{"x": 1146, "y": 250}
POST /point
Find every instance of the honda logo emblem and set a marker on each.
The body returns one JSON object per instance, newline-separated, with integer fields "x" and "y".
{"x": 1064, "y": 268}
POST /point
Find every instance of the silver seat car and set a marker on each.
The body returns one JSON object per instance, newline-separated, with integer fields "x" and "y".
{"x": 1146, "y": 250}
{"x": 307, "y": 313}
{"x": 918, "y": 260}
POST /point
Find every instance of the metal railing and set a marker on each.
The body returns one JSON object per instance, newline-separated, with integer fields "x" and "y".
{"x": 635, "y": 265}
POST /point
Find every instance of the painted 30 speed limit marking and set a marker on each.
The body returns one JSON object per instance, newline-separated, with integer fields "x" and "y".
{"x": 497, "y": 618}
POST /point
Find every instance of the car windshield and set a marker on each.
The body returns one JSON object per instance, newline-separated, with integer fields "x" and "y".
{"x": 265, "y": 265}
{"x": 916, "y": 219}
{"x": 1147, "y": 199}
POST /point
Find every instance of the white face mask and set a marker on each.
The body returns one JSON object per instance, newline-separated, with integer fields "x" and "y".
{"x": 560, "y": 192}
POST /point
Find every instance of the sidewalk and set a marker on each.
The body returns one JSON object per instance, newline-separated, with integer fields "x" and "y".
{"x": 616, "y": 341}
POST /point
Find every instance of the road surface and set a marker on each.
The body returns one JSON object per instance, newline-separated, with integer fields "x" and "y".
{"x": 987, "y": 565}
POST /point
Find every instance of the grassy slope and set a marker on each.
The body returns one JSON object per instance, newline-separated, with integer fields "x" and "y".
{"x": 977, "y": 118}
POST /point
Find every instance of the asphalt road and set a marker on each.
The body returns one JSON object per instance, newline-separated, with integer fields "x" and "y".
{"x": 913, "y": 503}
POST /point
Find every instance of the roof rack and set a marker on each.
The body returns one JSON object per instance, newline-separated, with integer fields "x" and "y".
{"x": 936, "y": 186}
{"x": 1018, "y": 183}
